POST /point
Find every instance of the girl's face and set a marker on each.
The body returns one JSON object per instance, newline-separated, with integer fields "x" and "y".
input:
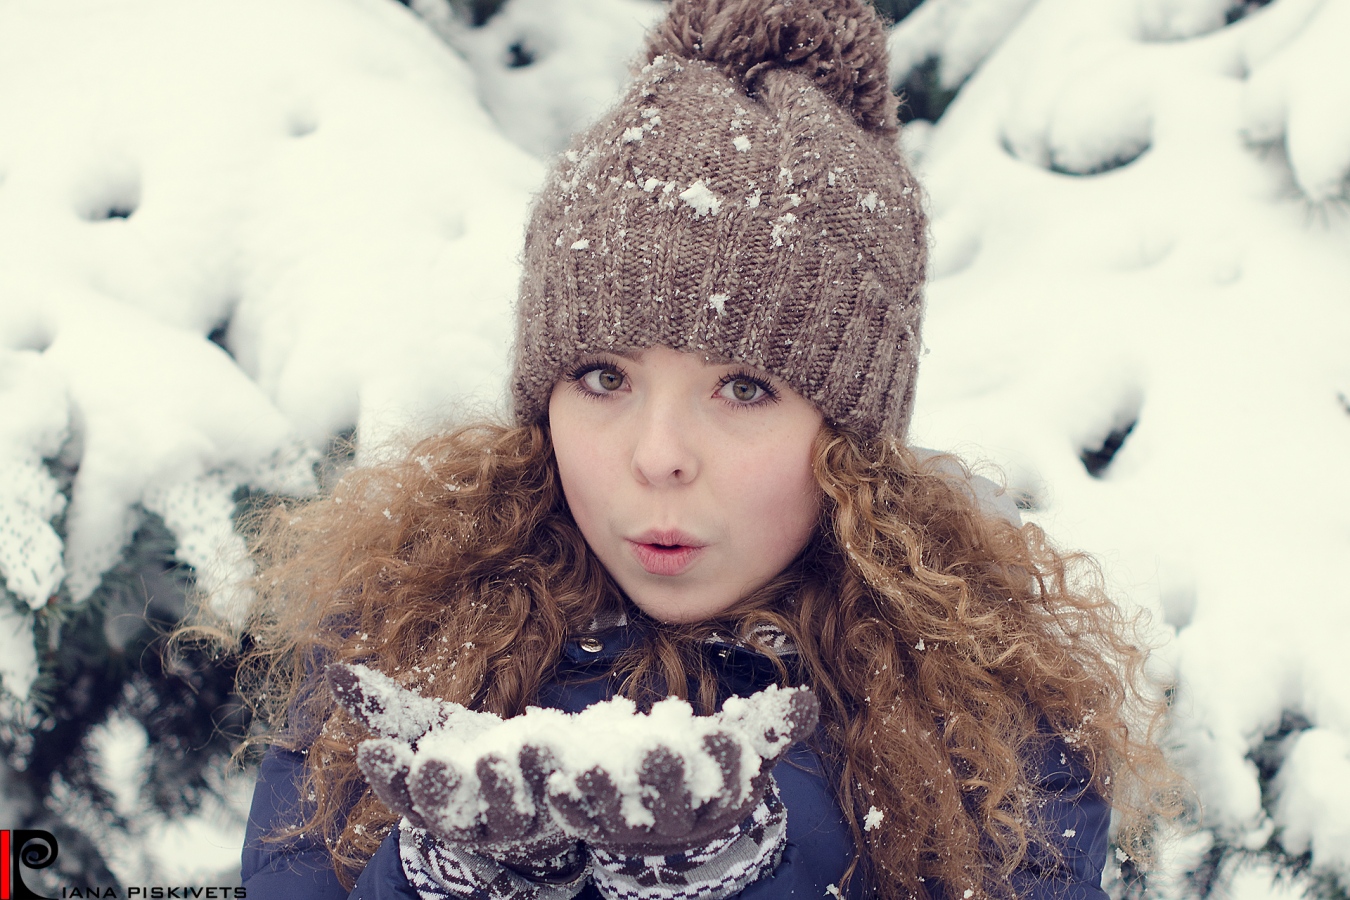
{"x": 690, "y": 479}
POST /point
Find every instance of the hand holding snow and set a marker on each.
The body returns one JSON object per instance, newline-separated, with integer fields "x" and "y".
{"x": 379, "y": 703}
{"x": 491, "y": 803}
{"x": 671, "y": 781}
{"x": 654, "y": 782}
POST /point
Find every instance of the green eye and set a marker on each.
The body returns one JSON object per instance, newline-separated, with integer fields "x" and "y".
{"x": 603, "y": 381}
{"x": 744, "y": 390}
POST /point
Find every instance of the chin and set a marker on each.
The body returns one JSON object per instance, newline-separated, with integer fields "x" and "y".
{"x": 674, "y": 612}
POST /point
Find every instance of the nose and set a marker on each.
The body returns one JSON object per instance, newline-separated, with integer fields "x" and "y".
{"x": 664, "y": 443}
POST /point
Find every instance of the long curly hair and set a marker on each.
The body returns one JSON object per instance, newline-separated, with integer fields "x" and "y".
{"x": 943, "y": 642}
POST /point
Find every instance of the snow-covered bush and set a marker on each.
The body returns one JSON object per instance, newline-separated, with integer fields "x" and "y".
{"x": 232, "y": 232}
{"x": 1141, "y": 229}
{"x": 545, "y": 68}
{"x": 228, "y": 232}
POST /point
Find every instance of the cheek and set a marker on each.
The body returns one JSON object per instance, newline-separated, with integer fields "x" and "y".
{"x": 783, "y": 507}
{"x": 585, "y": 467}
{"x": 578, "y": 469}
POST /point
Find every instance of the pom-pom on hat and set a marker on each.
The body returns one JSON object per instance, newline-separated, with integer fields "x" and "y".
{"x": 746, "y": 199}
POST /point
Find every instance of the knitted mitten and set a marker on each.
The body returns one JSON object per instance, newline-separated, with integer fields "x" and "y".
{"x": 502, "y": 845}
{"x": 701, "y": 822}
{"x": 668, "y": 804}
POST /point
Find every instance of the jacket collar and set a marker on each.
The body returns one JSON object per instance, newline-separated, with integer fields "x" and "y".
{"x": 606, "y": 637}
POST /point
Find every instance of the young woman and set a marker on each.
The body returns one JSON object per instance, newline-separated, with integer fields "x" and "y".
{"x": 893, "y": 691}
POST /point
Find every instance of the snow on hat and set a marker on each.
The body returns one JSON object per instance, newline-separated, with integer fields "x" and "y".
{"x": 746, "y": 199}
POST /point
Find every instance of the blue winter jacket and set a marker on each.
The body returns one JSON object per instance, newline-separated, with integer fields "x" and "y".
{"x": 819, "y": 847}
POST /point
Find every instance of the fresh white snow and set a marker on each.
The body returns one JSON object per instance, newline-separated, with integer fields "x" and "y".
{"x": 146, "y": 846}
{"x": 315, "y": 183}
{"x": 1139, "y": 215}
{"x": 339, "y": 209}
{"x": 580, "y": 52}
{"x": 873, "y": 819}
{"x": 701, "y": 198}
{"x": 1199, "y": 289}
{"x": 611, "y": 736}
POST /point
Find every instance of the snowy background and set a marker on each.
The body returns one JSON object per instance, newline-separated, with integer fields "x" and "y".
{"x": 235, "y": 236}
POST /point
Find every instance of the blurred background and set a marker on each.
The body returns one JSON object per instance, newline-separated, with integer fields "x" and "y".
{"x": 235, "y": 237}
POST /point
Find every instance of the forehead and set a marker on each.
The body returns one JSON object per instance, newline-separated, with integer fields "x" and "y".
{"x": 639, "y": 355}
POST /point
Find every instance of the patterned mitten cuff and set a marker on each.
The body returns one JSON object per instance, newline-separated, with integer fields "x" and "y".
{"x": 712, "y": 872}
{"x": 441, "y": 871}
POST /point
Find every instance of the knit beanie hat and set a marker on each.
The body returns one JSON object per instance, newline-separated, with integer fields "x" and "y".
{"x": 747, "y": 200}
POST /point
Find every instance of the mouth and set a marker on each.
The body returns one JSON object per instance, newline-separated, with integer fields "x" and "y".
{"x": 665, "y": 553}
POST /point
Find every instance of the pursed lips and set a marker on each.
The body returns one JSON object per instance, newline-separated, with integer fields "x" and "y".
{"x": 665, "y": 552}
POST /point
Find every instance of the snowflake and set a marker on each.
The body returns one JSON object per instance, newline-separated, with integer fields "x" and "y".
{"x": 703, "y": 200}
{"x": 873, "y": 819}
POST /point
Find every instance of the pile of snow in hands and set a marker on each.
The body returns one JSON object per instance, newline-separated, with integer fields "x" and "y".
{"x": 610, "y": 737}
